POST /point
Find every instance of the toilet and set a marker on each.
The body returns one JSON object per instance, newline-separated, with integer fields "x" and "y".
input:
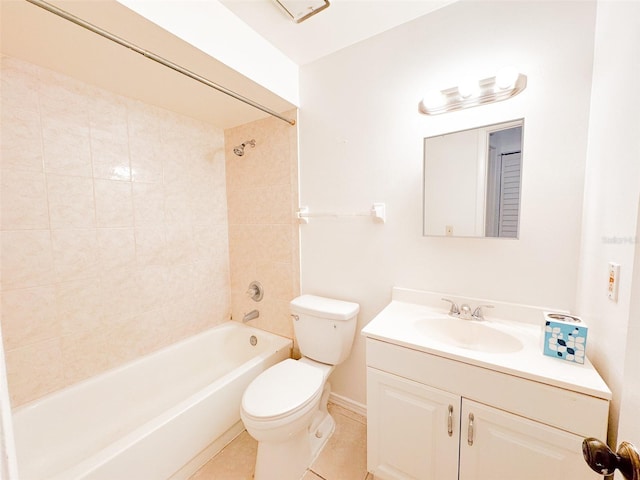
{"x": 285, "y": 407}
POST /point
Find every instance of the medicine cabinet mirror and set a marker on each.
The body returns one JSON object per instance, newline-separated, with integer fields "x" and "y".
{"x": 472, "y": 182}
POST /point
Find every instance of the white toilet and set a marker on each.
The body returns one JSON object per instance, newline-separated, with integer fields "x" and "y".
{"x": 285, "y": 407}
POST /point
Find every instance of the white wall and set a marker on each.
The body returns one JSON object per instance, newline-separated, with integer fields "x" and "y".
{"x": 214, "y": 29}
{"x": 612, "y": 191}
{"x": 361, "y": 140}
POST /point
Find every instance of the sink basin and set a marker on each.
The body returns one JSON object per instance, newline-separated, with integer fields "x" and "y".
{"x": 469, "y": 334}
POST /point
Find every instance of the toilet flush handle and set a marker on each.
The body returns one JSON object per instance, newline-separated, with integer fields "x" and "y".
{"x": 295, "y": 317}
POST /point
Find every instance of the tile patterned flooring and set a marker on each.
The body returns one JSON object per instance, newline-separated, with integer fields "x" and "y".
{"x": 344, "y": 457}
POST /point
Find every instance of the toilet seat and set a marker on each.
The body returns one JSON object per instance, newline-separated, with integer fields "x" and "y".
{"x": 282, "y": 390}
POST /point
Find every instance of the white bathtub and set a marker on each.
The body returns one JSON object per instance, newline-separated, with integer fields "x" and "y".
{"x": 159, "y": 417}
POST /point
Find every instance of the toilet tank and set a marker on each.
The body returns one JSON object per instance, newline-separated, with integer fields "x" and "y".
{"x": 324, "y": 327}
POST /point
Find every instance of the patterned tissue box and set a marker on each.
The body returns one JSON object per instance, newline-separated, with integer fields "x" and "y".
{"x": 565, "y": 337}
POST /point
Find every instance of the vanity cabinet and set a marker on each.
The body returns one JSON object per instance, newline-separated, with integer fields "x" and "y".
{"x": 433, "y": 418}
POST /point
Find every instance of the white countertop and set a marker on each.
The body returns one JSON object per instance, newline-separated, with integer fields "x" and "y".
{"x": 397, "y": 324}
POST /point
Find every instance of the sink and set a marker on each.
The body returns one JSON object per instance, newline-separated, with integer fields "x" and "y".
{"x": 469, "y": 334}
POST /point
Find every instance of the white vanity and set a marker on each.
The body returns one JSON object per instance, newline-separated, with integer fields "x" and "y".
{"x": 453, "y": 399}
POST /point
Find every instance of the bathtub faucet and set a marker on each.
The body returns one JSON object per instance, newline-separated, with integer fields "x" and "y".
{"x": 250, "y": 316}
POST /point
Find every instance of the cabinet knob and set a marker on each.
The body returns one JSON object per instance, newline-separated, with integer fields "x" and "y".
{"x": 470, "y": 430}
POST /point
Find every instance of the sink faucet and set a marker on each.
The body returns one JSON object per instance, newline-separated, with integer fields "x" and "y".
{"x": 453, "y": 311}
{"x": 477, "y": 313}
{"x": 464, "y": 311}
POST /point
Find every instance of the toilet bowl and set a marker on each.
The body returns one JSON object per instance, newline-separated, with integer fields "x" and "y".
{"x": 281, "y": 410}
{"x": 285, "y": 407}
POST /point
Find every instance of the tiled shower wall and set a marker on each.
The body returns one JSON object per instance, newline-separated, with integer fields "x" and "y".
{"x": 262, "y": 191}
{"x": 114, "y": 235}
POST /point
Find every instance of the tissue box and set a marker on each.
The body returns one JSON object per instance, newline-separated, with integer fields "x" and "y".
{"x": 565, "y": 337}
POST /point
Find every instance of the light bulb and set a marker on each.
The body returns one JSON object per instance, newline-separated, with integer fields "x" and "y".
{"x": 469, "y": 88}
{"x": 506, "y": 77}
{"x": 433, "y": 99}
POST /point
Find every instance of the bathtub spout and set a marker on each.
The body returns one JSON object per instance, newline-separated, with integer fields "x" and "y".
{"x": 250, "y": 316}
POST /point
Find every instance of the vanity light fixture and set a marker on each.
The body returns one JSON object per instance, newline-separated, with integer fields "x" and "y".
{"x": 507, "y": 83}
{"x": 300, "y": 10}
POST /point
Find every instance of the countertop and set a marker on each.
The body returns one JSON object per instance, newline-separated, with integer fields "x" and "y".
{"x": 398, "y": 324}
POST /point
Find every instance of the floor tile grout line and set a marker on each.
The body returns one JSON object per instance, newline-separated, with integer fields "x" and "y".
{"x": 317, "y": 474}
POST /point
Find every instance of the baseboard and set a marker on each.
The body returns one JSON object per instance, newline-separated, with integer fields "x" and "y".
{"x": 348, "y": 404}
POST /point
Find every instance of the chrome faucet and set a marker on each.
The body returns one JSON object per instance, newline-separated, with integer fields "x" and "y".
{"x": 250, "y": 316}
{"x": 464, "y": 311}
{"x": 477, "y": 313}
{"x": 454, "y": 311}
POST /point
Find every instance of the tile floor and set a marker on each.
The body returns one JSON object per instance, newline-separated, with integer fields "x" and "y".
{"x": 344, "y": 457}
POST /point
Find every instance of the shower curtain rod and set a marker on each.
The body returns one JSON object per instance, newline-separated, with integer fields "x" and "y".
{"x": 156, "y": 58}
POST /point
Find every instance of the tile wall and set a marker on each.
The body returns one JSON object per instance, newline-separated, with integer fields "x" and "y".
{"x": 114, "y": 235}
{"x": 262, "y": 191}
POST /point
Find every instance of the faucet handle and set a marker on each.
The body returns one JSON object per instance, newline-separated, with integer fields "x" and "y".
{"x": 477, "y": 313}
{"x": 454, "y": 308}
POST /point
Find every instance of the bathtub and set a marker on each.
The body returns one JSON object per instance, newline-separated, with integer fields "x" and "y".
{"x": 159, "y": 417}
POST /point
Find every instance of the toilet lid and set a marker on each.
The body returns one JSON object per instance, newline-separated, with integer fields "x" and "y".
{"x": 282, "y": 389}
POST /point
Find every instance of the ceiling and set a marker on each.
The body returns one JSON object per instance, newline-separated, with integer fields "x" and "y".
{"x": 344, "y": 23}
{"x": 33, "y": 34}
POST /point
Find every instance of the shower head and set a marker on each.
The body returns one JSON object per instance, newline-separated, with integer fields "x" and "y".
{"x": 239, "y": 150}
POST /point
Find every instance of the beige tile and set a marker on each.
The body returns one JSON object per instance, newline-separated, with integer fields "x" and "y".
{"x": 148, "y": 204}
{"x": 21, "y": 138}
{"x": 211, "y": 277}
{"x": 108, "y": 119}
{"x": 75, "y": 253}
{"x": 28, "y": 316}
{"x": 114, "y": 203}
{"x": 64, "y": 100}
{"x": 79, "y": 305}
{"x": 151, "y": 246}
{"x": 131, "y": 337}
{"x": 235, "y": 462}
{"x": 19, "y": 84}
{"x": 210, "y": 242}
{"x": 66, "y": 145}
{"x": 180, "y": 246}
{"x": 85, "y": 354}
{"x": 120, "y": 292}
{"x": 110, "y": 157}
{"x": 180, "y": 283}
{"x": 177, "y": 205}
{"x": 34, "y": 371}
{"x": 71, "y": 202}
{"x": 276, "y": 278}
{"x": 26, "y": 258}
{"x": 116, "y": 248}
{"x": 23, "y": 202}
{"x": 152, "y": 286}
{"x": 144, "y": 143}
{"x": 344, "y": 457}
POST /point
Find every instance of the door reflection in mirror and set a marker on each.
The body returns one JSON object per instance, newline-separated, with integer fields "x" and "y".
{"x": 472, "y": 182}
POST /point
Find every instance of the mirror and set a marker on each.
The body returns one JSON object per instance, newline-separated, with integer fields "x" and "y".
{"x": 472, "y": 182}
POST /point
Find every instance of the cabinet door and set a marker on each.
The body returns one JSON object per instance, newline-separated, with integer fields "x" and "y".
{"x": 412, "y": 429}
{"x": 501, "y": 446}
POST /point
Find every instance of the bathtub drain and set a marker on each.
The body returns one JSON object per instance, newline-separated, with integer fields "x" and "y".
{"x": 253, "y": 340}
